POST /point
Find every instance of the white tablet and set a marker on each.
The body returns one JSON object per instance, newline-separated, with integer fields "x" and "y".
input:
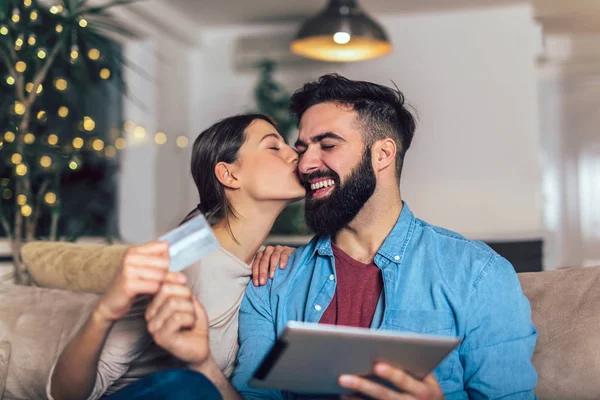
{"x": 308, "y": 358}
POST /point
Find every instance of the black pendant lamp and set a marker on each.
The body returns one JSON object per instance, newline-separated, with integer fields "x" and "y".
{"x": 342, "y": 32}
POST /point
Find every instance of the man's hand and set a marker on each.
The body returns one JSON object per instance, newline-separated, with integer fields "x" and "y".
{"x": 178, "y": 323}
{"x": 265, "y": 263}
{"x": 143, "y": 270}
{"x": 410, "y": 388}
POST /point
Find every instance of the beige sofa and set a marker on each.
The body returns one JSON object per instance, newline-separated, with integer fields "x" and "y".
{"x": 36, "y": 323}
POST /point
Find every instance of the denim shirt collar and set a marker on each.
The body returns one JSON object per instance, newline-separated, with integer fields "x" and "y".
{"x": 400, "y": 233}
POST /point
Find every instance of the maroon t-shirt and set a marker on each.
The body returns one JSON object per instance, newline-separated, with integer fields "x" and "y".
{"x": 356, "y": 294}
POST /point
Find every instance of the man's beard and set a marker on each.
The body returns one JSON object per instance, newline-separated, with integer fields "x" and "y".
{"x": 329, "y": 215}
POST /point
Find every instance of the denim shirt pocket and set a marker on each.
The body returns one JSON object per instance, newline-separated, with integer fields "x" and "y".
{"x": 426, "y": 322}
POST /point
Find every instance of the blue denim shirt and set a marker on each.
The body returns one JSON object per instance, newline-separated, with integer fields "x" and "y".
{"x": 435, "y": 282}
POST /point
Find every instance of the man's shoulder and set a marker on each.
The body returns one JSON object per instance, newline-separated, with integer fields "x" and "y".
{"x": 456, "y": 255}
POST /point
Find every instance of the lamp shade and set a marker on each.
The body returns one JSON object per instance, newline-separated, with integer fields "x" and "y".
{"x": 341, "y": 32}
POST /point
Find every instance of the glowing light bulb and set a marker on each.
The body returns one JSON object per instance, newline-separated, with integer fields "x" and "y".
{"x": 73, "y": 165}
{"x": 78, "y": 142}
{"x": 9, "y": 137}
{"x": 50, "y": 198}
{"x": 42, "y": 54}
{"x": 10, "y": 80}
{"x": 21, "y": 169}
{"x": 110, "y": 152}
{"x": 341, "y": 37}
{"x": 98, "y": 145}
{"x": 120, "y": 143}
{"x": 45, "y": 161}
{"x": 52, "y": 139}
{"x": 16, "y": 158}
{"x": 3, "y": 30}
{"x": 59, "y": 28}
{"x": 160, "y": 138}
{"x": 21, "y": 199}
{"x": 31, "y": 40}
{"x": 20, "y": 66}
{"x": 104, "y": 73}
{"x": 19, "y": 108}
{"x": 63, "y": 111}
{"x": 182, "y": 141}
{"x": 94, "y": 54}
{"x": 33, "y": 16}
{"x": 88, "y": 124}
{"x": 29, "y": 138}
{"x": 60, "y": 84}
{"x": 26, "y": 210}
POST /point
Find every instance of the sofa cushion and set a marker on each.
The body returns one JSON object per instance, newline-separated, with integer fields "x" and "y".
{"x": 38, "y": 323}
{"x": 4, "y": 357}
{"x": 72, "y": 266}
{"x": 566, "y": 312}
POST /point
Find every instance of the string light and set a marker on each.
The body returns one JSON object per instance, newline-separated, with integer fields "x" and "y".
{"x": 54, "y": 10}
{"x": 19, "y": 108}
{"x": 110, "y": 152}
{"x": 78, "y": 142}
{"x": 31, "y": 40}
{"x": 63, "y": 111}
{"x": 16, "y": 15}
{"x": 21, "y": 199}
{"x": 33, "y": 16}
{"x": 50, "y": 198}
{"x": 182, "y": 141}
{"x": 1, "y": 143}
{"x": 41, "y": 114}
{"x": 60, "y": 84}
{"x": 29, "y": 88}
{"x": 26, "y": 210}
{"x": 16, "y": 158}
{"x": 73, "y": 165}
{"x": 83, "y": 22}
{"x": 10, "y": 80}
{"x": 29, "y": 138}
{"x": 74, "y": 52}
{"x": 6, "y": 194}
{"x": 27, "y": 3}
{"x": 41, "y": 53}
{"x": 94, "y": 54}
{"x": 45, "y": 161}
{"x": 9, "y": 137}
{"x": 52, "y": 139}
{"x": 98, "y": 145}
{"x": 139, "y": 132}
{"x": 104, "y": 73}
{"x": 120, "y": 143}
{"x": 20, "y": 66}
{"x": 88, "y": 124}
{"x": 19, "y": 42}
{"x": 160, "y": 138}
{"x": 3, "y": 30}
{"x": 21, "y": 169}
{"x": 59, "y": 28}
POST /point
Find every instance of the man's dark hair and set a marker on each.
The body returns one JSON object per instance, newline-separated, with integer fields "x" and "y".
{"x": 381, "y": 110}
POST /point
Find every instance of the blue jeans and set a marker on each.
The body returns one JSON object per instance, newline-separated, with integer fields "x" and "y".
{"x": 169, "y": 384}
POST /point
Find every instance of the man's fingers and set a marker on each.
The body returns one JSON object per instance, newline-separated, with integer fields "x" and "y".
{"x": 167, "y": 290}
{"x": 402, "y": 380}
{"x": 175, "y": 323}
{"x": 147, "y": 273}
{"x": 255, "y": 265}
{"x": 170, "y": 307}
{"x": 370, "y": 388}
{"x": 138, "y": 287}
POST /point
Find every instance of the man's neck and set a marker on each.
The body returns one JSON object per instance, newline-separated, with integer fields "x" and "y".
{"x": 248, "y": 231}
{"x": 362, "y": 238}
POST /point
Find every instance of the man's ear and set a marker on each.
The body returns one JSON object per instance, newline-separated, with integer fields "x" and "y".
{"x": 225, "y": 175}
{"x": 384, "y": 154}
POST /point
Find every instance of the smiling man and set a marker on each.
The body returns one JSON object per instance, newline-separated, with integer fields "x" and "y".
{"x": 374, "y": 264}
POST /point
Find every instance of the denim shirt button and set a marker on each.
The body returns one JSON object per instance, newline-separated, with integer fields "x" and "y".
{"x": 318, "y": 307}
{"x": 331, "y": 277}
{"x": 396, "y": 258}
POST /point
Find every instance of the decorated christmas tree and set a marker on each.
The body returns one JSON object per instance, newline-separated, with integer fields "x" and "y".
{"x": 56, "y": 66}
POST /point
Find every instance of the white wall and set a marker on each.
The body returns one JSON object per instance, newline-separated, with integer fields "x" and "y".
{"x": 474, "y": 165}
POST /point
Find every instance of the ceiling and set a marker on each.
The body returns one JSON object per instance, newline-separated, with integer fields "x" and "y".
{"x": 227, "y": 12}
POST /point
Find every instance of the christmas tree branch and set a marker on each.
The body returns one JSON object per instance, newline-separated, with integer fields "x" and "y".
{"x": 20, "y": 81}
{"x": 5, "y": 224}
{"x": 41, "y": 75}
{"x": 32, "y": 223}
{"x": 9, "y": 65}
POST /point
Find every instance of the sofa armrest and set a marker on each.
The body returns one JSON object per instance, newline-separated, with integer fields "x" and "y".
{"x": 72, "y": 266}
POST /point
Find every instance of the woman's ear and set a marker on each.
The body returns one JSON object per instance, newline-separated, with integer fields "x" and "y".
{"x": 384, "y": 154}
{"x": 225, "y": 175}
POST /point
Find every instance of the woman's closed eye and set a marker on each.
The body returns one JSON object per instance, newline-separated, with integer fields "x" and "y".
{"x": 275, "y": 148}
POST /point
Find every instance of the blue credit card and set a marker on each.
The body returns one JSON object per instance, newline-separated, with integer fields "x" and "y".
{"x": 190, "y": 242}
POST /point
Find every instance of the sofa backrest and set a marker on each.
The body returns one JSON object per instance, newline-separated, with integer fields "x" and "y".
{"x": 566, "y": 312}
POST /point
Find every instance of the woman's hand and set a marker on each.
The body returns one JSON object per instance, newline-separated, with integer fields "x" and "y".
{"x": 143, "y": 270}
{"x": 265, "y": 263}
